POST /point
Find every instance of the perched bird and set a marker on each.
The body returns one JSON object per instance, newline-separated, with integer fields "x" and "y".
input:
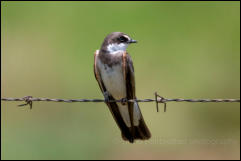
{"x": 114, "y": 72}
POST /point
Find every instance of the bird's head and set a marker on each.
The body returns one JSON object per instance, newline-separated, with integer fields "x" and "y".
{"x": 117, "y": 41}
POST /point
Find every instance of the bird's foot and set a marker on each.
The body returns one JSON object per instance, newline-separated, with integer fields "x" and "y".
{"x": 106, "y": 96}
{"x": 124, "y": 101}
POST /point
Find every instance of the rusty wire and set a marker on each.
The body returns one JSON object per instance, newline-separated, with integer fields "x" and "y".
{"x": 158, "y": 99}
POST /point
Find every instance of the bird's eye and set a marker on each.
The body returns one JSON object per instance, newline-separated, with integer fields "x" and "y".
{"x": 123, "y": 39}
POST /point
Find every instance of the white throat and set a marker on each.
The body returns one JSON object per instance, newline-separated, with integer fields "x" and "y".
{"x": 113, "y": 48}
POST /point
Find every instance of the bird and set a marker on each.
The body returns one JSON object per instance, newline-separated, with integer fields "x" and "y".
{"x": 114, "y": 72}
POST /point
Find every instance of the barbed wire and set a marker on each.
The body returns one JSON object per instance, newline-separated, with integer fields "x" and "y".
{"x": 158, "y": 99}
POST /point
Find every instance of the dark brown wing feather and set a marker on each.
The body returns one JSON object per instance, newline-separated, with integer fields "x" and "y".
{"x": 141, "y": 131}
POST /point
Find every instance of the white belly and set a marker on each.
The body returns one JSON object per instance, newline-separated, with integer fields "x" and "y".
{"x": 115, "y": 84}
{"x": 113, "y": 80}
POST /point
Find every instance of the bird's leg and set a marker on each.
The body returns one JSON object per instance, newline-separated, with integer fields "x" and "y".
{"x": 124, "y": 101}
{"x": 106, "y": 96}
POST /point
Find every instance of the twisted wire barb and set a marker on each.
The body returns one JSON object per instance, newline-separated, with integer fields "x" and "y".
{"x": 158, "y": 99}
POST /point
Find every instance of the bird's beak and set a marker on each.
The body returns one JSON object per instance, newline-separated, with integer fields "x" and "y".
{"x": 132, "y": 41}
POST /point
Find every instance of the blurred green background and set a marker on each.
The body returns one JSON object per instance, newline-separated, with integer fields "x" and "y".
{"x": 185, "y": 49}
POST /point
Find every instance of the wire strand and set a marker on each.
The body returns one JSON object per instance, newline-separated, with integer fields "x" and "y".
{"x": 158, "y": 99}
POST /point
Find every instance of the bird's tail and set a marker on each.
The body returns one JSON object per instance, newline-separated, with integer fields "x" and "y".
{"x": 139, "y": 131}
